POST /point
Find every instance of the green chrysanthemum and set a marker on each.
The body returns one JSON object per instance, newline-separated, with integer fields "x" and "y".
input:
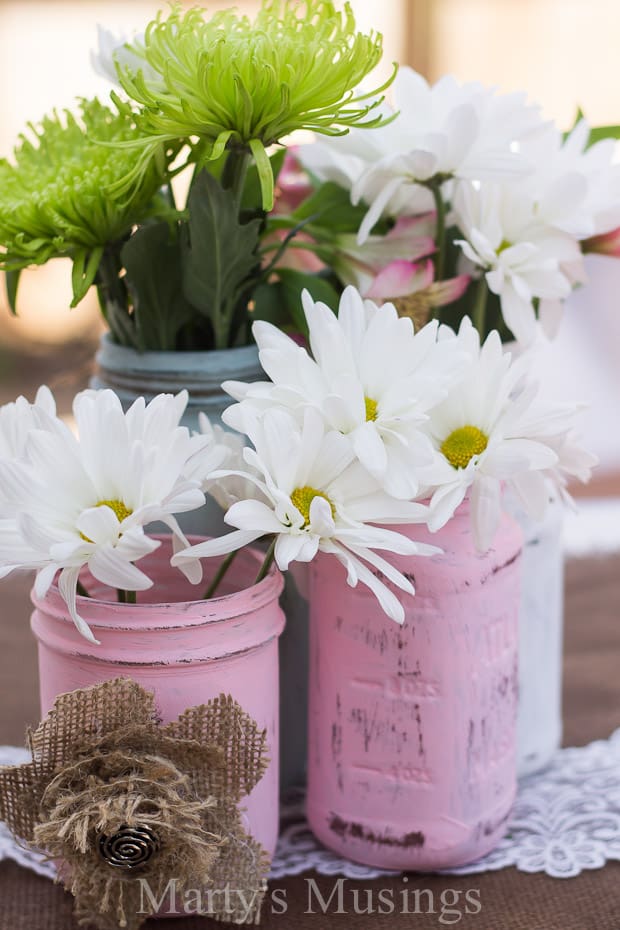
{"x": 58, "y": 198}
{"x": 232, "y": 82}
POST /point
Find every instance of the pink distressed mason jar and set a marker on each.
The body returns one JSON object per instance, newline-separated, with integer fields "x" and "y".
{"x": 412, "y": 729}
{"x": 186, "y": 651}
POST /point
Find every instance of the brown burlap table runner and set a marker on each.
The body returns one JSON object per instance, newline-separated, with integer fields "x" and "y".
{"x": 510, "y": 900}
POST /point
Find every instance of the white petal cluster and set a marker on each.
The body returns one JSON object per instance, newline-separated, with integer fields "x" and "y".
{"x": 493, "y": 429}
{"x": 448, "y": 130}
{"x": 114, "y": 50}
{"x": 73, "y": 501}
{"x": 314, "y": 497}
{"x": 368, "y": 373}
{"x": 224, "y": 451}
{"x": 521, "y": 256}
{"x": 521, "y": 198}
{"x": 374, "y": 424}
{"x": 337, "y": 442}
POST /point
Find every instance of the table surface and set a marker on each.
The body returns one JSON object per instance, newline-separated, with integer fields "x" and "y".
{"x": 510, "y": 900}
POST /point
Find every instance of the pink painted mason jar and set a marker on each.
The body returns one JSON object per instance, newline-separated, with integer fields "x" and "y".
{"x": 185, "y": 650}
{"x": 412, "y": 729}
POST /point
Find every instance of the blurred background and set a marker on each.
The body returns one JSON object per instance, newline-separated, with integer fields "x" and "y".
{"x": 562, "y": 52}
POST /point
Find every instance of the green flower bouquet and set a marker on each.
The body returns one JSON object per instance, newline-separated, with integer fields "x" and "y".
{"x": 213, "y": 95}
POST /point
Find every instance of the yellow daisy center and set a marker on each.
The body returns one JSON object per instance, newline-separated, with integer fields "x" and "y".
{"x": 462, "y": 444}
{"x": 371, "y": 408}
{"x": 120, "y": 509}
{"x": 302, "y": 499}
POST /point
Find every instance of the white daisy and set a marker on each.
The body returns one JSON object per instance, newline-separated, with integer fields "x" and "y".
{"x": 75, "y": 501}
{"x": 448, "y": 130}
{"x": 553, "y": 425}
{"x": 486, "y": 435}
{"x": 370, "y": 376}
{"x": 316, "y": 498}
{"x": 522, "y": 258}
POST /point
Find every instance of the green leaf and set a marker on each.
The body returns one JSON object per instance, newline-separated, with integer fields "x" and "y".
{"x": 252, "y": 197}
{"x": 579, "y": 115}
{"x": 218, "y": 255}
{"x": 152, "y": 260}
{"x": 290, "y": 285}
{"x": 330, "y": 207}
{"x": 269, "y": 305}
{"x": 265, "y": 174}
{"x": 597, "y": 133}
{"x": 12, "y": 284}
{"x": 220, "y": 144}
{"x": 84, "y": 271}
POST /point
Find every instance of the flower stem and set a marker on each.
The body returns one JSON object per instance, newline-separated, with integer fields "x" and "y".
{"x": 234, "y": 174}
{"x": 268, "y": 561}
{"x": 480, "y": 306}
{"x": 113, "y": 297}
{"x": 440, "y": 234}
{"x": 233, "y": 180}
{"x": 81, "y": 590}
{"x": 219, "y": 575}
{"x": 171, "y": 194}
{"x": 126, "y": 597}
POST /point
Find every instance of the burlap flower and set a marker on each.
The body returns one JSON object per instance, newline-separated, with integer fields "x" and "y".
{"x": 124, "y": 802}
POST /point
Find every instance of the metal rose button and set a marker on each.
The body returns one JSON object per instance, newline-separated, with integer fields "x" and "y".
{"x": 129, "y": 847}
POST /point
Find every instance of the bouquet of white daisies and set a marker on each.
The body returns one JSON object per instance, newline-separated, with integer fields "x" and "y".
{"x": 369, "y": 426}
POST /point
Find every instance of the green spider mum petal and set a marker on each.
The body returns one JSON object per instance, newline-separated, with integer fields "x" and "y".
{"x": 252, "y": 83}
{"x": 57, "y": 198}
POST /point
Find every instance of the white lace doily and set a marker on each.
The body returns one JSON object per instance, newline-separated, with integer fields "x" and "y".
{"x": 565, "y": 820}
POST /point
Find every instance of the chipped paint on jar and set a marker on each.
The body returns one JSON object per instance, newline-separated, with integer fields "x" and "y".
{"x": 412, "y": 729}
{"x": 186, "y": 651}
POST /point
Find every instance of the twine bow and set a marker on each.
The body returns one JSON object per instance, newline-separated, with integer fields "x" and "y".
{"x": 122, "y": 800}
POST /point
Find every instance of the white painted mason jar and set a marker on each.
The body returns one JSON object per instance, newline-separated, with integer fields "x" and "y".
{"x": 541, "y": 628}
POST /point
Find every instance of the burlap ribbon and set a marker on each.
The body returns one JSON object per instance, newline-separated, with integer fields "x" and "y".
{"x": 124, "y": 802}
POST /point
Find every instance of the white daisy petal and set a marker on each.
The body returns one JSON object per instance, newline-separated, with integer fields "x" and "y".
{"x": 253, "y": 515}
{"x": 108, "y": 566}
{"x": 289, "y": 549}
{"x": 214, "y": 547}
{"x": 370, "y": 449}
{"x": 67, "y": 585}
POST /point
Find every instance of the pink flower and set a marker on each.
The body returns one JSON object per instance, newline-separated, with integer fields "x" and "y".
{"x": 292, "y": 188}
{"x": 411, "y": 239}
{"x": 293, "y": 184}
{"x": 605, "y": 244}
{"x": 403, "y": 278}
